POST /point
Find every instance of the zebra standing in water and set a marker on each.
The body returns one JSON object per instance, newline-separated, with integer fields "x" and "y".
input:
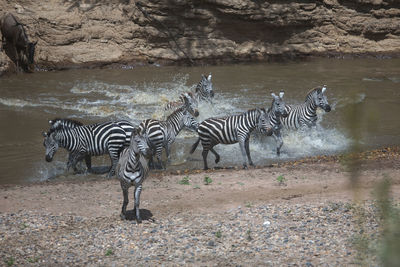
{"x": 161, "y": 134}
{"x": 305, "y": 115}
{"x": 231, "y": 130}
{"x": 203, "y": 92}
{"x": 132, "y": 169}
{"x": 93, "y": 140}
{"x": 64, "y": 123}
{"x": 275, "y": 113}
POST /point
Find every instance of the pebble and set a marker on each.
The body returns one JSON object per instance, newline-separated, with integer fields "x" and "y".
{"x": 247, "y": 237}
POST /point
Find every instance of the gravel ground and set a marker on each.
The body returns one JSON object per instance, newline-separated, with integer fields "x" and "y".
{"x": 298, "y": 214}
{"x": 279, "y": 234}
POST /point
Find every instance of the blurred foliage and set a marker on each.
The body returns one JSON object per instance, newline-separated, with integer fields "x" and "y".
{"x": 387, "y": 248}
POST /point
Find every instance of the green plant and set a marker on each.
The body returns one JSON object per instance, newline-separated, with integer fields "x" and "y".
{"x": 109, "y": 252}
{"x": 10, "y": 261}
{"x": 185, "y": 180}
{"x": 33, "y": 260}
{"x": 281, "y": 179}
{"x": 218, "y": 234}
{"x": 196, "y": 186}
{"x": 207, "y": 180}
{"x": 248, "y": 237}
{"x": 240, "y": 183}
{"x": 248, "y": 204}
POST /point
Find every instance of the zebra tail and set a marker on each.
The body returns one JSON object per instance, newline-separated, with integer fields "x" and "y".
{"x": 194, "y": 146}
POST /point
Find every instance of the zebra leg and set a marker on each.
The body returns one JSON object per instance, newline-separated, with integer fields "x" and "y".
{"x": 204, "y": 154}
{"x": 168, "y": 153}
{"x": 246, "y": 143}
{"x": 217, "y": 157}
{"x": 114, "y": 161}
{"x": 278, "y": 139}
{"x": 158, "y": 156}
{"x": 88, "y": 161}
{"x": 138, "y": 189}
{"x": 243, "y": 150}
{"x": 124, "y": 188}
{"x": 73, "y": 159}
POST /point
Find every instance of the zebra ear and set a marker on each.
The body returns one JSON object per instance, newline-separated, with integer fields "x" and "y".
{"x": 51, "y": 122}
{"x": 209, "y": 77}
{"x": 273, "y": 95}
{"x": 45, "y": 134}
{"x": 323, "y": 89}
{"x": 281, "y": 94}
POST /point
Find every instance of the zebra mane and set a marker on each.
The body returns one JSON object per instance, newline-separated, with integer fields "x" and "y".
{"x": 181, "y": 108}
{"x": 317, "y": 89}
{"x": 76, "y": 122}
{"x": 60, "y": 124}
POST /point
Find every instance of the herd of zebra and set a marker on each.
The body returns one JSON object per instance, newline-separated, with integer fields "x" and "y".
{"x": 132, "y": 147}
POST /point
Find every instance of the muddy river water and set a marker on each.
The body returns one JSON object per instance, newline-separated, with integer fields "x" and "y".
{"x": 370, "y": 87}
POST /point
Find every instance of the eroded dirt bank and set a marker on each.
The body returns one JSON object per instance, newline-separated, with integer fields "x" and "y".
{"x": 300, "y": 212}
{"x": 94, "y": 33}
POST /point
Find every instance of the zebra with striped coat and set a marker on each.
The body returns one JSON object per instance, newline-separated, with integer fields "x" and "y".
{"x": 203, "y": 92}
{"x": 274, "y": 114}
{"x": 132, "y": 169}
{"x": 161, "y": 134}
{"x": 231, "y": 130}
{"x": 305, "y": 115}
{"x": 94, "y": 140}
{"x": 65, "y": 123}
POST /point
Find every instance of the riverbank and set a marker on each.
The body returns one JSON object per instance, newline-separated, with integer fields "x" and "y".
{"x": 301, "y": 212}
{"x": 82, "y": 34}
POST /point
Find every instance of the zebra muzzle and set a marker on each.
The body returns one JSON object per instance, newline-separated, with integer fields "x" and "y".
{"x": 49, "y": 158}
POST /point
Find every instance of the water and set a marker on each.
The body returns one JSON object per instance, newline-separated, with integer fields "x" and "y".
{"x": 28, "y": 101}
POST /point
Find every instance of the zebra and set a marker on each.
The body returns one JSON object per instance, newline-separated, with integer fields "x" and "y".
{"x": 305, "y": 115}
{"x": 65, "y": 123}
{"x": 203, "y": 92}
{"x": 132, "y": 169}
{"x": 231, "y": 130}
{"x": 274, "y": 114}
{"x": 93, "y": 140}
{"x": 161, "y": 134}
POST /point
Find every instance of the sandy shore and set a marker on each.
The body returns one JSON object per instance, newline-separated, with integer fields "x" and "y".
{"x": 297, "y": 213}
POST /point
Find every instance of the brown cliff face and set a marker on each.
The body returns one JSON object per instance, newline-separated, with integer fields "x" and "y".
{"x": 93, "y": 32}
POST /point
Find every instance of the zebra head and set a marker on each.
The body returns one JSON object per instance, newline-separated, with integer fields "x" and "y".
{"x": 263, "y": 124}
{"x": 204, "y": 88}
{"x": 278, "y": 105}
{"x": 319, "y": 98}
{"x": 190, "y": 104}
{"x": 139, "y": 143}
{"x": 190, "y": 122}
{"x": 51, "y": 145}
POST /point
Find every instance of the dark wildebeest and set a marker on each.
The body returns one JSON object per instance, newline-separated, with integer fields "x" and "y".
{"x": 16, "y": 43}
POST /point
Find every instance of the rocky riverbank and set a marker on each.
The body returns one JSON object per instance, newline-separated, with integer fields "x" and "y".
{"x": 87, "y": 33}
{"x": 303, "y": 213}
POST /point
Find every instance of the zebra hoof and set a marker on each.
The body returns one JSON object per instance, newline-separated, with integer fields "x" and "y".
{"x": 138, "y": 220}
{"x": 245, "y": 167}
{"x": 123, "y": 217}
